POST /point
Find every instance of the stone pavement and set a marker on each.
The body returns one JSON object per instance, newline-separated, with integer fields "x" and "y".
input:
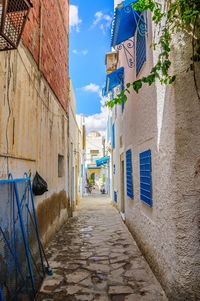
{"x": 94, "y": 257}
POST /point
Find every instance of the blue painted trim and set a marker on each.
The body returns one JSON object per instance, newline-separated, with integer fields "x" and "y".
{"x": 102, "y": 161}
{"x": 125, "y": 23}
{"x": 113, "y": 80}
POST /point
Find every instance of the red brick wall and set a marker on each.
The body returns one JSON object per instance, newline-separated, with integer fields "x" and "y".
{"x": 46, "y": 36}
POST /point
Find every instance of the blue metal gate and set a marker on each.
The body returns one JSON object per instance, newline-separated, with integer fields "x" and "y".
{"x": 21, "y": 253}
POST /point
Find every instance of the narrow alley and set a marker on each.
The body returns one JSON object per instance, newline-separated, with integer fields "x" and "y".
{"x": 94, "y": 257}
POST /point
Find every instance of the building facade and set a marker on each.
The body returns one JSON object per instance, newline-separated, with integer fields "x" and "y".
{"x": 155, "y": 157}
{"x": 82, "y": 138}
{"x": 94, "y": 151}
{"x": 34, "y": 101}
{"x": 74, "y": 151}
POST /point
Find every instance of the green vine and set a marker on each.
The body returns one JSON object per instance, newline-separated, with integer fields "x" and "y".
{"x": 179, "y": 15}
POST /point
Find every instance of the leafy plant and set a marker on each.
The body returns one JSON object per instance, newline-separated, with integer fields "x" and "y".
{"x": 91, "y": 181}
{"x": 179, "y": 15}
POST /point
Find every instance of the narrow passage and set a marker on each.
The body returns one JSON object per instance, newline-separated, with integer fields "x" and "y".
{"x": 94, "y": 257}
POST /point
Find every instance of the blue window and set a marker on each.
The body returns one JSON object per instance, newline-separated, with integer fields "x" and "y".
{"x": 113, "y": 136}
{"x": 129, "y": 174}
{"x": 146, "y": 177}
{"x": 115, "y": 196}
{"x": 140, "y": 46}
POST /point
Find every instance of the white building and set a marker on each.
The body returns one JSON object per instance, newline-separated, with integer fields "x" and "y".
{"x": 155, "y": 158}
{"x": 74, "y": 157}
{"x": 82, "y": 139}
{"x": 94, "y": 151}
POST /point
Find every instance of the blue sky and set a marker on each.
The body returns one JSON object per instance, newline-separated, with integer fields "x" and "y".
{"x": 89, "y": 41}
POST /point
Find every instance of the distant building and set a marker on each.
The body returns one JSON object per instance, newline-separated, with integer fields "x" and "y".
{"x": 82, "y": 148}
{"x": 74, "y": 151}
{"x": 94, "y": 151}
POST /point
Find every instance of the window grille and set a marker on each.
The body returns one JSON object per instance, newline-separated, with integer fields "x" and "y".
{"x": 13, "y": 16}
{"x": 146, "y": 177}
{"x": 129, "y": 174}
{"x": 140, "y": 46}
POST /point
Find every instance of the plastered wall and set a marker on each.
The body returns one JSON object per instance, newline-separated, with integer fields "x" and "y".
{"x": 33, "y": 132}
{"x": 165, "y": 119}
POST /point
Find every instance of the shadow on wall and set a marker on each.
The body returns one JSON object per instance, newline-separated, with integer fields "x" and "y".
{"x": 52, "y": 213}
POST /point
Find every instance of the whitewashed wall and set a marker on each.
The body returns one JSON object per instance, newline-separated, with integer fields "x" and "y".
{"x": 165, "y": 119}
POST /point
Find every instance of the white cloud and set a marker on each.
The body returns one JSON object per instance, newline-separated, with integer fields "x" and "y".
{"x": 102, "y": 20}
{"x": 91, "y": 88}
{"x": 97, "y": 122}
{"x": 82, "y": 52}
{"x": 98, "y": 17}
{"x": 74, "y": 20}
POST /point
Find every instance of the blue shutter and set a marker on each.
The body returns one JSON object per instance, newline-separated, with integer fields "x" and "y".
{"x": 113, "y": 136}
{"x": 129, "y": 174}
{"x": 146, "y": 177}
{"x": 140, "y": 50}
{"x": 115, "y": 196}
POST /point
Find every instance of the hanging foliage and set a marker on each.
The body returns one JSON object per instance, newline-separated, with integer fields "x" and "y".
{"x": 177, "y": 15}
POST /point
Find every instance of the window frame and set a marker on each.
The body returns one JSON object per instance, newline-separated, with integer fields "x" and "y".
{"x": 129, "y": 174}
{"x": 138, "y": 71}
{"x": 146, "y": 195}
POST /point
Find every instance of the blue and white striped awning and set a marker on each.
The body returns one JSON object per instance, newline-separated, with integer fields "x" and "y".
{"x": 125, "y": 22}
{"x": 102, "y": 161}
{"x": 113, "y": 80}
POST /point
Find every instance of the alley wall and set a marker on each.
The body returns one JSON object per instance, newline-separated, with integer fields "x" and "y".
{"x": 47, "y": 37}
{"x": 74, "y": 151}
{"x": 165, "y": 120}
{"x": 34, "y": 110}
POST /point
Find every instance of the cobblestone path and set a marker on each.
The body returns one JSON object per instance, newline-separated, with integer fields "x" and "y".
{"x": 94, "y": 257}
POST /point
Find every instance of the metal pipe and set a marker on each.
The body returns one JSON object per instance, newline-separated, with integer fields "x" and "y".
{"x": 24, "y": 239}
